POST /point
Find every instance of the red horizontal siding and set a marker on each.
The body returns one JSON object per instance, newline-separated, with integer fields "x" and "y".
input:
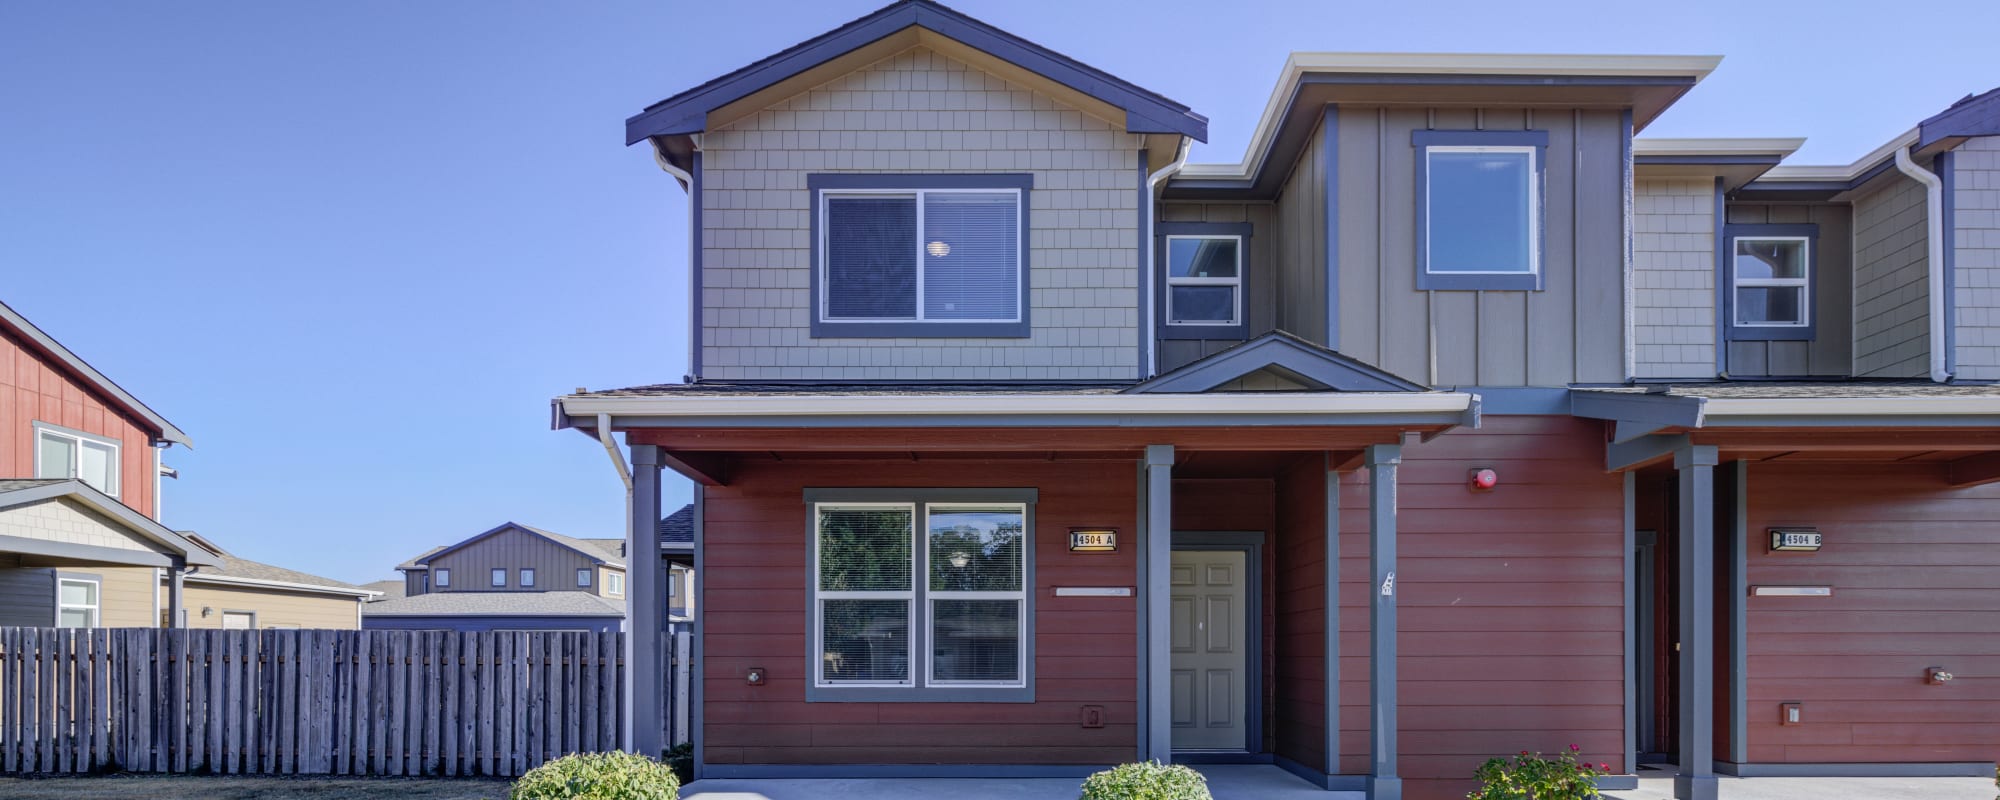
{"x": 1300, "y": 711}
{"x": 755, "y": 549}
{"x": 1912, "y": 564}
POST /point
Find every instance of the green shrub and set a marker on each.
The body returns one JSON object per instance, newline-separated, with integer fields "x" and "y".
{"x": 680, "y": 757}
{"x": 598, "y": 776}
{"x": 1531, "y": 776}
{"x": 1151, "y": 780}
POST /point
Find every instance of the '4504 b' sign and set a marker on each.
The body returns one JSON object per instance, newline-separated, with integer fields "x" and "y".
{"x": 1793, "y": 539}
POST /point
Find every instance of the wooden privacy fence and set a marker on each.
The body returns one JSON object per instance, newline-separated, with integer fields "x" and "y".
{"x": 306, "y": 701}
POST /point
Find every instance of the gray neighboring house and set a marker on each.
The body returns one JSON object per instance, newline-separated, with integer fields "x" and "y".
{"x": 677, "y": 555}
{"x": 490, "y": 611}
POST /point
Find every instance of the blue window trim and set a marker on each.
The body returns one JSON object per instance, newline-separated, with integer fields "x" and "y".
{"x": 818, "y": 183}
{"x": 1725, "y": 272}
{"x": 1165, "y": 330}
{"x": 1529, "y": 282}
{"x": 920, "y": 635}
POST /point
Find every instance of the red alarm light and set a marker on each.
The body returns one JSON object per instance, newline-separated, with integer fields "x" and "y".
{"x": 1484, "y": 479}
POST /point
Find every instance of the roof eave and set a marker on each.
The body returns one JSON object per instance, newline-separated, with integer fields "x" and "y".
{"x": 162, "y": 429}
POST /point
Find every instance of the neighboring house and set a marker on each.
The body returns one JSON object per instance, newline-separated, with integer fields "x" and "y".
{"x": 238, "y": 593}
{"x": 677, "y": 555}
{"x": 1452, "y": 421}
{"x": 511, "y": 577}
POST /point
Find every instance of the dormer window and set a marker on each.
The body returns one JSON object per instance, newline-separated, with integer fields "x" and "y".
{"x": 912, "y": 256}
{"x": 1479, "y": 209}
{"x": 1769, "y": 275}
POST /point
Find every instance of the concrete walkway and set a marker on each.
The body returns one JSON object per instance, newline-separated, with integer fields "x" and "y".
{"x": 1226, "y": 782}
{"x": 1662, "y": 788}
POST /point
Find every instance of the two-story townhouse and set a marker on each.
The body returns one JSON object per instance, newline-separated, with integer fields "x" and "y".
{"x": 516, "y": 577}
{"x": 1451, "y": 421}
{"x": 81, "y": 544}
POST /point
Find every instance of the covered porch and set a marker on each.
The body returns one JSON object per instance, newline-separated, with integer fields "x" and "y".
{"x": 1811, "y": 590}
{"x": 72, "y": 556}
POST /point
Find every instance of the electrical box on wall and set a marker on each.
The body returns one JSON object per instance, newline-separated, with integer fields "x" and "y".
{"x": 1790, "y": 714}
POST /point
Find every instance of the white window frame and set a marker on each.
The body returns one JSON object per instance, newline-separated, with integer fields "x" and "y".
{"x": 824, "y": 301}
{"x": 77, "y": 439}
{"x": 1236, "y": 313}
{"x": 527, "y": 580}
{"x": 442, "y": 578}
{"x": 1803, "y": 282}
{"x": 583, "y": 578}
{"x": 97, "y": 591}
{"x": 497, "y": 578}
{"x": 614, "y": 583}
{"x": 1534, "y": 206}
{"x": 921, "y": 684}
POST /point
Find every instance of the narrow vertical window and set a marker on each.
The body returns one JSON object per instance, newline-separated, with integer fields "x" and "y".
{"x": 527, "y": 577}
{"x": 1772, "y": 289}
{"x": 443, "y": 578}
{"x": 583, "y": 578}
{"x": 77, "y": 603}
{"x": 499, "y": 577}
{"x": 976, "y": 594}
{"x": 614, "y": 583}
{"x": 1204, "y": 280}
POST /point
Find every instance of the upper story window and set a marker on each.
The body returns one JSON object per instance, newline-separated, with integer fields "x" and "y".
{"x": 77, "y": 602}
{"x": 443, "y": 578}
{"x": 1204, "y": 270}
{"x": 614, "y": 583}
{"x": 527, "y": 577}
{"x": 1769, "y": 281}
{"x": 499, "y": 576}
{"x": 906, "y": 256}
{"x": 583, "y": 578}
{"x": 1479, "y": 209}
{"x": 64, "y": 453}
{"x": 922, "y": 600}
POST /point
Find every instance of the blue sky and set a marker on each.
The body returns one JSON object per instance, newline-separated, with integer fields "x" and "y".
{"x": 354, "y": 248}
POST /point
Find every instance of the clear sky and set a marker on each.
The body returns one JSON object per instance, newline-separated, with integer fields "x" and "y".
{"x": 354, "y": 248}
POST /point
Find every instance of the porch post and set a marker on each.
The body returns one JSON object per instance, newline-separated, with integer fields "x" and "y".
{"x": 644, "y": 669}
{"x": 1159, "y": 538}
{"x": 1695, "y": 464}
{"x": 176, "y": 573}
{"x": 1382, "y": 460}
{"x": 1331, "y": 597}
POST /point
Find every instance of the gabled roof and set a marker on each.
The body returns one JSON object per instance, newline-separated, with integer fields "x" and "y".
{"x": 677, "y": 529}
{"x": 235, "y": 571}
{"x": 496, "y": 604}
{"x": 687, "y": 112}
{"x": 22, "y": 492}
{"x": 593, "y": 549}
{"x": 1288, "y": 357}
{"x": 13, "y": 322}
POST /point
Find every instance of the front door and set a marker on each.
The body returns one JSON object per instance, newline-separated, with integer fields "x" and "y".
{"x": 1210, "y": 649}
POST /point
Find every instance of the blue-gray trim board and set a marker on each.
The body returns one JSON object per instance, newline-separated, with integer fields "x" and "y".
{"x": 1725, "y": 279}
{"x": 1946, "y": 167}
{"x": 1974, "y": 115}
{"x": 1943, "y": 769}
{"x": 1717, "y": 223}
{"x": 1384, "y": 781}
{"x": 1162, "y": 281}
{"x": 695, "y": 252}
{"x": 697, "y": 735}
{"x": 819, "y": 182}
{"x": 1328, "y": 781}
{"x": 687, "y": 112}
{"x": 1530, "y": 281}
{"x": 1142, "y": 370}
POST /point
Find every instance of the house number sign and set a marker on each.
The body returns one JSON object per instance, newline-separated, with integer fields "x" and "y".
{"x": 1093, "y": 541}
{"x": 1783, "y": 539}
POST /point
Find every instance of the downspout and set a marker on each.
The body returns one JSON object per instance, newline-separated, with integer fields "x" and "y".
{"x": 694, "y": 240}
{"x": 1933, "y": 256}
{"x": 631, "y": 537}
{"x": 1146, "y": 303}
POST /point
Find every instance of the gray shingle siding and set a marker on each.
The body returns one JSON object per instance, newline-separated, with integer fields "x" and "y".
{"x": 1673, "y": 276}
{"x": 919, "y": 112}
{"x": 1976, "y": 260}
{"x": 1891, "y": 311}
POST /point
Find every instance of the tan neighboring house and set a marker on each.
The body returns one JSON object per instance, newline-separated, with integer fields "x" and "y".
{"x": 242, "y": 594}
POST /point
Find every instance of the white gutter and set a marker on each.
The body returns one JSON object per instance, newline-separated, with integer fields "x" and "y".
{"x": 1984, "y": 405}
{"x": 1146, "y": 268}
{"x": 232, "y": 580}
{"x": 1934, "y": 255}
{"x": 1852, "y": 170}
{"x": 694, "y": 241}
{"x": 1111, "y": 406}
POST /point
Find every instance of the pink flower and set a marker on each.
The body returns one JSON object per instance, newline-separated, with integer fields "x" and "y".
{"x": 1605, "y": 767}
{"x": 1574, "y": 748}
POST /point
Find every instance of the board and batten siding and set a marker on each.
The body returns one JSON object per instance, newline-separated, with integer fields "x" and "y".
{"x": 1976, "y": 257}
{"x": 1260, "y": 268}
{"x": 274, "y": 608}
{"x": 1673, "y": 278}
{"x": 32, "y": 391}
{"x": 1301, "y": 247}
{"x": 1572, "y": 331}
{"x": 1911, "y": 563}
{"x": 919, "y": 112}
{"x": 555, "y": 566}
{"x": 1830, "y": 353}
{"x": 756, "y": 547}
{"x": 1891, "y": 309}
{"x": 1511, "y": 607}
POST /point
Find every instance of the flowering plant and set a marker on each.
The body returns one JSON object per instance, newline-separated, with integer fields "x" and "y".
{"x": 1533, "y": 776}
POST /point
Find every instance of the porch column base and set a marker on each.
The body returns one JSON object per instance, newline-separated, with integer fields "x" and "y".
{"x": 1389, "y": 788}
{"x": 1695, "y": 787}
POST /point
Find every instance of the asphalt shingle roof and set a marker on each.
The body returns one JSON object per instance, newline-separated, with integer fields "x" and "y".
{"x": 678, "y": 528}
{"x": 234, "y": 567}
{"x": 17, "y": 484}
{"x": 854, "y": 390}
{"x": 496, "y": 604}
{"x": 390, "y": 589}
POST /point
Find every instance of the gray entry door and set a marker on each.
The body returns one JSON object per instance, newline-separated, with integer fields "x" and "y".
{"x": 1210, "y": 650}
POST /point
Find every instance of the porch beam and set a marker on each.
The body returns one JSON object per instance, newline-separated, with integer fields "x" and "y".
{"x": 1696, "y": 467}
{"x": 1329, "y": 434}
{"x": 707, "y": 469}
{"x": 1159, "y": 461}
{"x": 643, "y": 666}
{"x": 1877, "y": 441}
{"x": 1383, "y": 782}
{"x": 1621, "y": 456}
{"x": 1973, "y": 470}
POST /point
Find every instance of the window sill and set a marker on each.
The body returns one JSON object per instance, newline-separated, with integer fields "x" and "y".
{"x": 1461, "y": 282}
{"x": 901, "y": 694}
{"x": 1754, "y": 334}
{"x": 920, "y": 330}
{"x": 1230, "y": 333}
